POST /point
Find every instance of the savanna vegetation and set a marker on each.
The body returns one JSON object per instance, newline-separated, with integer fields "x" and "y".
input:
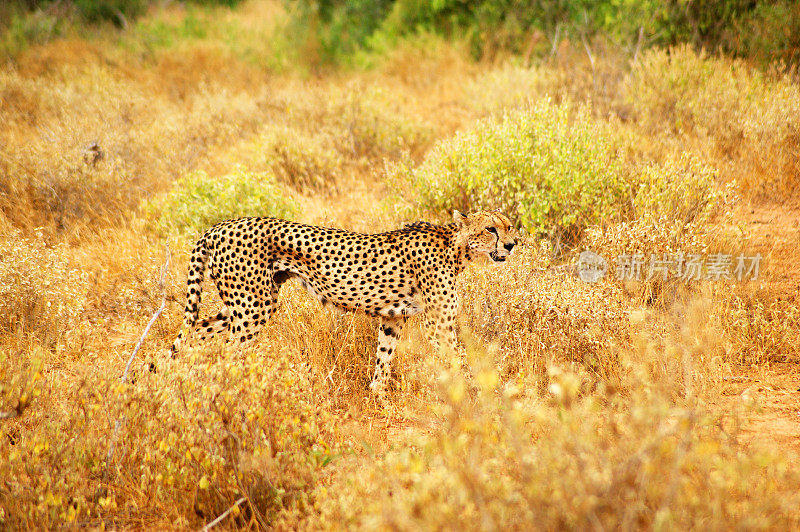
{"x": 659, "y": 129}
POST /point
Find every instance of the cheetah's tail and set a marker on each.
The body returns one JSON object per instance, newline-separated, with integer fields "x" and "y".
{"x": 197, "y": 267}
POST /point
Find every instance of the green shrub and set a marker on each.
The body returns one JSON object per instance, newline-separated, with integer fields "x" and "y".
{"x": 337, "y": 28}
{"x": 121, "y": 12}
{"x": 116, "y": 11}
{"x": 760, "y": 28}
{"x": 548, "y": 167}
{"x": 701, "y": 24}
{"x": 556, "y": 170}
{"x": 29, "y": 29}
{"x": 770, "y": 33}
{"x": 199, "y": 200}
{"x": 226, "y": 3}
{"x": 159, "y": 33}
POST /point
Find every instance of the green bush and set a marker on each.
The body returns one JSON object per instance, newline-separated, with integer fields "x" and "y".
{"x": 199, "y": 200}
{"x": 115, "y": 11}
{"x": 770, "y": 33}
{"x": 548, "y": 167}
{"x": 118, "y": 10}
{"x": 29, "y": 29}
{"x": 338, "y": 28}
{"x": 556, "y": 170}
{"x": 758, "y": 28}
{"x": 159, "y": 33}
{"x": 37, "y": 15}
{"x": 226, "y": 3}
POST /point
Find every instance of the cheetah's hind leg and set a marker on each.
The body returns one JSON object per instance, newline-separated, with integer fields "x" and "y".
{"x": 206, "y": 329}
{"x": 212, "y": 328}
{"x": 388, "y": 334}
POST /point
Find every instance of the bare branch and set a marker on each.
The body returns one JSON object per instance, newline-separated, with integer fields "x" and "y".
{"x": 234, "y": 453}
{"x": 11, "y": 413}
{"x": 216, "y": 521}
{"x": 122, "y": 20}
{"x": 554, "y": 48}
{"x": 124, "y": 377}
{"x": 534, "y": 38}
{"x": 588, "y": 50}
{"x": 591, "y": 61}
{"x": 638, "y": 45}
{"x": 152, "y": 319}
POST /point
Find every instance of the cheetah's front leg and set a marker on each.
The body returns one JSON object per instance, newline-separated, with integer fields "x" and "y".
{"x": 388, "y": 334}
{"x": 442, "y": 325}
{"x": 441, "y": 307}
{"x": 443, "y": 320}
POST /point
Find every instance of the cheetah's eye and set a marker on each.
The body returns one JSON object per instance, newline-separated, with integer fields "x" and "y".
{"x": 492, "y": 230}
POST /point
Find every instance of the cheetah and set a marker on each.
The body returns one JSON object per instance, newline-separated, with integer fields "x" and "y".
{"x": 391, "y": 275}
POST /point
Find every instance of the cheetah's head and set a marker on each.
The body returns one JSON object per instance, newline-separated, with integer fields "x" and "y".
{"x": 487, "y": 233}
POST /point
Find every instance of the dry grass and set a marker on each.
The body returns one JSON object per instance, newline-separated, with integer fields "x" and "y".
{"x": 571, "y": 459}
{"x": 594, "y": 404}
{"x": 746, "y": 120}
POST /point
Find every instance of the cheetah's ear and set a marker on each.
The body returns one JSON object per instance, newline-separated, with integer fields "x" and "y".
{"x": 459, "y": 219}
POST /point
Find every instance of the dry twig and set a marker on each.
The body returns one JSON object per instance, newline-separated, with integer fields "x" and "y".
{"x": 638, "y": 45}
{"x": 233, "y": 447}
{"x": 12, "y": 413}
{"x": 216, "y": 521}
{"x": 591, "y": 61}
{"x": 153, "y": 318}
{"x": 554, "y": 47}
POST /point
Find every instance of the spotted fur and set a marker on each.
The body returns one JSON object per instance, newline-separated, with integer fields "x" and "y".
{"x": 390, "y": 275}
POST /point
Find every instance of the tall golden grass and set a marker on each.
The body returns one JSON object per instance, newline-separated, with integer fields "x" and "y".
{"x": 593, "y": 404}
